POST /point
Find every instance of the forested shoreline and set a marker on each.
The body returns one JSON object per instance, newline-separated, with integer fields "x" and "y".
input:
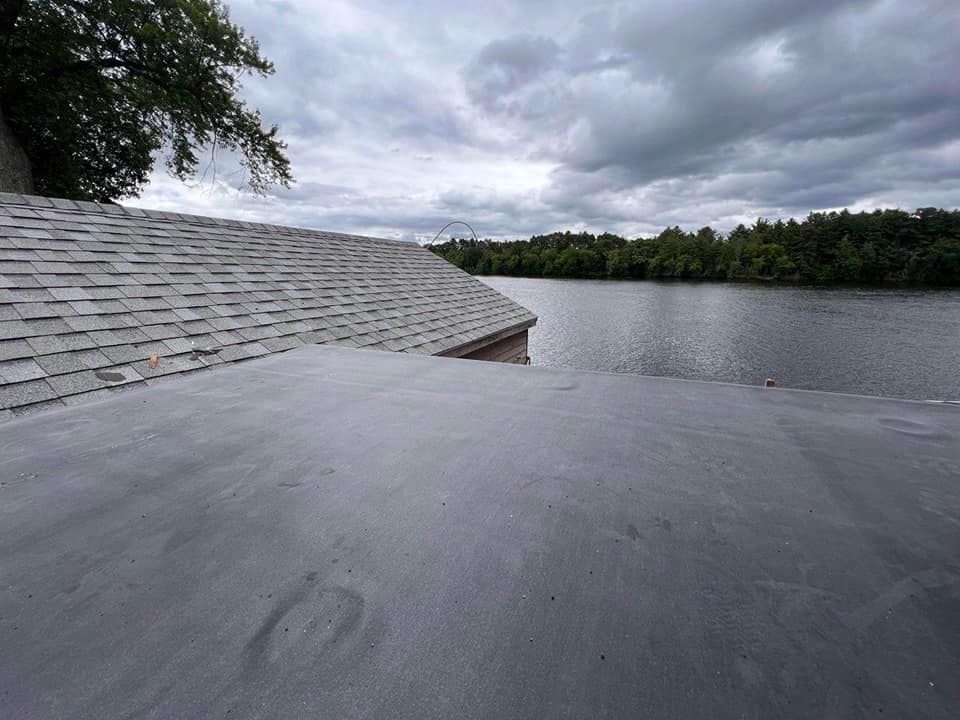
{"x": 884, "y": 246}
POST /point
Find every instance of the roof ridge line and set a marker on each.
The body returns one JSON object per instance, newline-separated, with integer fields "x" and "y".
{"x": 87, "y": 206}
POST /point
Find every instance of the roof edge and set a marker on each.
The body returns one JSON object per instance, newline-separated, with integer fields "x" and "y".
{"x": 478, "y": 343}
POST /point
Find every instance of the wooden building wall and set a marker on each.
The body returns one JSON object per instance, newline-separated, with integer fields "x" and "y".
{"x": 509, "y": 349}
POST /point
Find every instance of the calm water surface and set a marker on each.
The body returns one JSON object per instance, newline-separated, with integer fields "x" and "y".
{"x": 902, "y": 343}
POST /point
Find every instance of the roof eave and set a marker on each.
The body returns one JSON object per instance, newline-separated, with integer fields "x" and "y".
{"x": 472, "y": 345}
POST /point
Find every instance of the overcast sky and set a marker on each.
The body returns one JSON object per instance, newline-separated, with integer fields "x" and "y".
{"x": 525, "y": 117}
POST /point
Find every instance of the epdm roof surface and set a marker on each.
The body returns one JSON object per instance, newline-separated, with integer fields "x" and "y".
{"x": 329, "y": 533}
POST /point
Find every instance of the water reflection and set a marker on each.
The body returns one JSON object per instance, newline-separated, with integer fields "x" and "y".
{"x": 903, "y": 343}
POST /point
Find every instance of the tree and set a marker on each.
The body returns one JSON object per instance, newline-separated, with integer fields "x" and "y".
{"x": 92, "y": 90}
{"x": 886, "y": 246}
{"x": 941, "y": 266}
{"x": 849, "y": 263}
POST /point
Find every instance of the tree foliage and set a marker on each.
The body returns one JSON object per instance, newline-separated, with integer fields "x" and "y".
{"x": 94, "y": 89}
{"x": 885, "y": 246}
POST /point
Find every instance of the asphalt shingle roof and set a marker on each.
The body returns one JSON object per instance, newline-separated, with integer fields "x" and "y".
{"x": 89, "y": 292}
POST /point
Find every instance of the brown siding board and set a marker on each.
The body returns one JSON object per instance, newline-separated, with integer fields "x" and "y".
{"x": 511, "y": 349}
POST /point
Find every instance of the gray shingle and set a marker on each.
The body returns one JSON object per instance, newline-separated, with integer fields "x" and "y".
{"x": 23, "y": 410}
{"x": 86, "y": 286}
{"x": 26, "y": 393}
{"x": 227, "y": 337}
{"x": 155, "y": 317}
{"x": 86, "y": 323}
{"x": 98, "y": 307}
{"x": 50, "y": 326}
{"x": 46, "y": 344}
{"x": 259, "y": 332}
{"x": 280, "y": 344}
{"x": 36, "y": 310}
{"x": 70, "y": 293}
{"x": 119, "y": 336}
{"x": 195, "y": 327}
{"x": 85, "y": 307}
{"x": 52, "y": 281}
{"x": 314, "y": 336}
{"x": 69, "y": 362}
{"x": 161, "y": 332}
{"x": 186, "y": 313}
{"x": 12, "y": 349}
{"x": 10, "y": 329}
{"x": 15, "y": 295}
{"x": 14, "y": 371}
{"x": 131, "y": 353}
{"x": 119, "y": 374}
{"x": 242, "y": 352}
{"x": 149, "y": 290}
{"x": 180, "y": 345}
{"x": 104, "y": 293}
{"x": 102, "y": 393}
{"x": 225, "y": 323}
{"x": 87, "y": 380}
{"x": 145, "y": 303}
{"x": 171, "y": 364}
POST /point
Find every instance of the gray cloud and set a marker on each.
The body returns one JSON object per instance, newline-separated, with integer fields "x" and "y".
{"x": 525, "y": 117}
{"x": 503, "y": 67}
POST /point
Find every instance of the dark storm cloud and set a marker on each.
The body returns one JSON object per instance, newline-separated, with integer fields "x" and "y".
{"x": 525, "y": 117}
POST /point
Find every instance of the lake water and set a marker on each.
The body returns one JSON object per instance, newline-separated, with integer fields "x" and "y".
{"x": 898, "y": 343}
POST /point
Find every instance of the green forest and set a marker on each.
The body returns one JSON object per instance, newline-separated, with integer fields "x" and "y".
{"x": 884, "y": 246}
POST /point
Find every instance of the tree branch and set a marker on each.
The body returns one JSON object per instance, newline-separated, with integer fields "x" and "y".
{"x": 9, "y": 13}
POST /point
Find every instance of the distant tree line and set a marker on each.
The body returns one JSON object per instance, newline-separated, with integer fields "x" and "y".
{"x": 884, "y": 246}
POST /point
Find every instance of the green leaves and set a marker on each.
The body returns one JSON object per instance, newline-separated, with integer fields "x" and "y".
{"x": 95, "y": 89}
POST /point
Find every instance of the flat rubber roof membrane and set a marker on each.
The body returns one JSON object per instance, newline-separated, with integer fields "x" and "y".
{"x": 351, "y": 534}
